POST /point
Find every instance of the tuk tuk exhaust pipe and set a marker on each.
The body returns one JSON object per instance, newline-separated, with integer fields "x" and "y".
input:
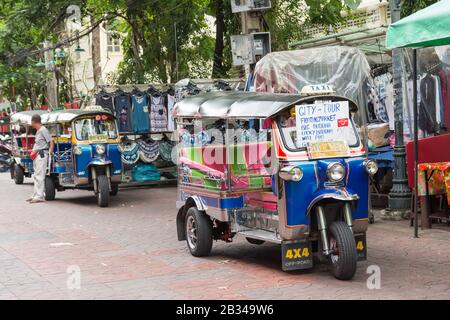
{"x": 322, "y": 225}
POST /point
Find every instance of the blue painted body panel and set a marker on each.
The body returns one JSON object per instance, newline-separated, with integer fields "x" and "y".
{"x": 299, "y": 195}
{"x": 27, "y": 165}
{"x": 217, "y": 202}
{"x": 89, "y": 157}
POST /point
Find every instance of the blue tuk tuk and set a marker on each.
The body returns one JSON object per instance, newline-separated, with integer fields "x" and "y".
{"x": 285, "y": 169}
{"x": 86, "y": 153}
{"x": 22, "y": 139}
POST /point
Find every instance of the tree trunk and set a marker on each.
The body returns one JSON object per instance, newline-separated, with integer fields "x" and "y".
{"x": 219, "y": 47}
{"x": 96, "y": 55}
{"x": 137, "y": 41}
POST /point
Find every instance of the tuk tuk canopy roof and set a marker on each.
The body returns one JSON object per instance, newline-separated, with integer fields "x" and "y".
{"x": 428, "y": 27}
{"x": 242, "y": 104}
{"x": 69, "y": 115}
{"x": 24, "y": 117}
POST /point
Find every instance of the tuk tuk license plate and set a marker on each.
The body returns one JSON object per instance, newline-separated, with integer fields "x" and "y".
{"x": 296, "y": 255}
{"x": 100, "y": 138}
{"x": 361, "y": 247}
{"x": 329, "y": 149}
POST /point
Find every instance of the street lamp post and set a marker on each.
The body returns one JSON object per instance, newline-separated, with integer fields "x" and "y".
{"x": 400, "y": 195}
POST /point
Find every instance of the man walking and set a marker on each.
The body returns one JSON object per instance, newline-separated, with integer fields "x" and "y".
{"x": 43, "y": 146}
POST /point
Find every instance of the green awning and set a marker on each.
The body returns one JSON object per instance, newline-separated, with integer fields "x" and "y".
{"x": 429, "y": 27}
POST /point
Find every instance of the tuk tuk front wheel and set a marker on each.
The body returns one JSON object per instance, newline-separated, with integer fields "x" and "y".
{"x": 198, "y": 228}
{"x": 343, "y": 257}
{"x": 103, "y": 191}
{"x": 50, "y": 189}
{"x": 19, "y": 174}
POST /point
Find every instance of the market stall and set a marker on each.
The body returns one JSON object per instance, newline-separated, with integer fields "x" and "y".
{"x": 426, "y": 28}
{"x": 145, "y": 123}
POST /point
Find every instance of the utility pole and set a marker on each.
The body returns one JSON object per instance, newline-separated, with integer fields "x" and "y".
{"x": 400, "y": 195}
{"x": 251, "y": 23}
{"x": 52, "y": 86}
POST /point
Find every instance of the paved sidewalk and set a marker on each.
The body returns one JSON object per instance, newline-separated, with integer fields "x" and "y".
{"x": 130, "y": 251}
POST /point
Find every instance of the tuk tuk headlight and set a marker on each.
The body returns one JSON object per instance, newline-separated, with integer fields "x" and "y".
{"x": 291, "y": 173}
{"x": 77, "y": 150}
{"x": 371, "y": 167}
{"x": 100, "y": 149}
{"x": 336, "y": 172}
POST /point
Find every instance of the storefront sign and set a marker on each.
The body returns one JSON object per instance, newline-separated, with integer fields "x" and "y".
{"x": 321, "y": 122}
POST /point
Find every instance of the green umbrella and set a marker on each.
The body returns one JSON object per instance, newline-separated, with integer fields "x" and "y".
{"x": 428, "y": 27}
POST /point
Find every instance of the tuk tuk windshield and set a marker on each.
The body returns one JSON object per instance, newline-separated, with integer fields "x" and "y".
{"x": 304, "y": 124}
{"x": 89, "y": 128}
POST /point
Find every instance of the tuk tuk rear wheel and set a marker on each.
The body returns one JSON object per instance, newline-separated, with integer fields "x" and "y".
{"x": 19, "y": 174}
{"x": 50, "y": 189}
{"x": 12, "y": 170}
{"x": 103, "y": 191}
{"x": 199, "y": 232}
{"x": 114, "y": 190}
{"x": 343, "y": 257}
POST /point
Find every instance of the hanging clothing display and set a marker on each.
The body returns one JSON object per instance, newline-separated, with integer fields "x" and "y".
{"x": 123, "y": 108}
{"x": 106, "y": 101}
{"x": 427, "y": 106}
{"x": 444, "y": 75}
{"x": 166, "y": 149}
{"x": 149, "y": 150}
{"x": 389, "y": 103}
{"x": 140, "y": 119}
{"x": 158, "y": 114}
{"x": 130, "y": 153}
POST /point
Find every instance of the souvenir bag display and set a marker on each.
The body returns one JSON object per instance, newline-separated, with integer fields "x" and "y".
{"x": 166, "y": 148}
{"x": 149, "y": 150}
{"x": 130, "y": 154}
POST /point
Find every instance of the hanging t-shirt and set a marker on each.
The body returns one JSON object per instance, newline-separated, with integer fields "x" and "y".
{"x": 444, "y": 74}
{"x": 427, "y": 106}
{"x": 390, "y": 105}
{"x": 141, "y": 121}
{"x": 106, "y": 101}
{"x": 158, "y": 114}
{"x": 122, "y": 103}
{"x": 170, "y": 106}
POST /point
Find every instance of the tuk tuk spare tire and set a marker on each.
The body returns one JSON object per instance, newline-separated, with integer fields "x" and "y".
{"x": 19, "y": 174}
{"x": 50, "y": 189}
{"x": 199, "y": 233}
{"x": 103, "y": 191}
{"x": 344, "y": 263}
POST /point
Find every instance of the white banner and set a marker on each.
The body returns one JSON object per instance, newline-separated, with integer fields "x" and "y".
{"x": 328, "y": 121}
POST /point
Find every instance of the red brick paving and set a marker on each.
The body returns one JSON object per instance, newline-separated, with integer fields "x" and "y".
{"x": 130, "y": 251}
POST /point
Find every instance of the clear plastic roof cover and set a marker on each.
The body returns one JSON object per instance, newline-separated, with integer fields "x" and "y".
{"x": 345, "y": 68}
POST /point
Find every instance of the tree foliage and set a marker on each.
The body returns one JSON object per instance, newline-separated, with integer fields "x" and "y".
{"x": 411, "y": 6}
{"x": 163, "y": 40}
